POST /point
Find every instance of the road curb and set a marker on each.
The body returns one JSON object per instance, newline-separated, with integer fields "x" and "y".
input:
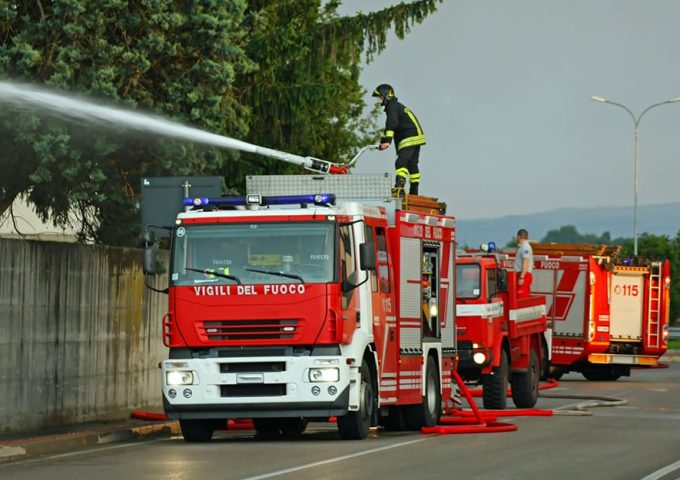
{"x": 40, "y": 446}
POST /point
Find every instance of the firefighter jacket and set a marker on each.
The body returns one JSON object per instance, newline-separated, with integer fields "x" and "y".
{"x": 402, "y": 126}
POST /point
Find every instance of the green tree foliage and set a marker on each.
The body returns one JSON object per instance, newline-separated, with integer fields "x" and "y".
{"x": 279, "y": 73}
{"x": 660, "y": 246}
{"x": 178, "y": 58}
{"x": 569, "y": 234}
{"x": 675, "y": 280}
{"x": 305, "y": 96}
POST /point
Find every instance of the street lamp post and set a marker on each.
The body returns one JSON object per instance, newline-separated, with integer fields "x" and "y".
{"x": 636, "y": 121}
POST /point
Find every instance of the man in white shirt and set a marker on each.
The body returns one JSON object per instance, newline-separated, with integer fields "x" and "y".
{"x": 524, "y": 264}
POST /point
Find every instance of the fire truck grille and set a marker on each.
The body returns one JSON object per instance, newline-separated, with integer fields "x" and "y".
{"x": 262, "y": 390}
{"x": 256, "y": 367}
{"x": 240, "y": 330}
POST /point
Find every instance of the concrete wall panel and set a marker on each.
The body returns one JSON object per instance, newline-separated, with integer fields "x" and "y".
{"x": 80, "y": 335}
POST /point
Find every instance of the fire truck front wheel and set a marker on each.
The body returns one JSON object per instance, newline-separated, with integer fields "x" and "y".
{"x": 199, "y": 430}
{"x": 495, "y": 385}
{"x": 355, "y": 425}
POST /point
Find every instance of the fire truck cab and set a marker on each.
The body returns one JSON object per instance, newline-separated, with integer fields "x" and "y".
{"x": 286, "y": 308}
{"x": 501, "y": 338}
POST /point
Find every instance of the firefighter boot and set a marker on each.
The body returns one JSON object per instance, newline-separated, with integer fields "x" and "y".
{"x": 413, "y": 188}
{"x": 398, "y": 189}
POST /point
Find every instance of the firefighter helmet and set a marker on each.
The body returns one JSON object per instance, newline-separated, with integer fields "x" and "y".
{"x": 384, "y": 90}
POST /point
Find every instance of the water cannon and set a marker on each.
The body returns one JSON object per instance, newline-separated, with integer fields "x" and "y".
{"x": 489, "y": 247}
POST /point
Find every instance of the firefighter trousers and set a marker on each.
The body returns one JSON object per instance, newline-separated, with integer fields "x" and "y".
{"x": 524, "y": 290}
{"x": 406, "y": 166}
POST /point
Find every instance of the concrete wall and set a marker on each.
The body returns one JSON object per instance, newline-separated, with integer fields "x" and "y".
{"x": 80, "y": 335}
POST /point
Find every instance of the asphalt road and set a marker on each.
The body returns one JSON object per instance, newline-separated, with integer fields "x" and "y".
{"x": 640, "y": 440}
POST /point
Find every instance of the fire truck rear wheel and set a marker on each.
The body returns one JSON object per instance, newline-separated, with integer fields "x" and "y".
{"x": 198, "y": 430}
{"x": 495, "y": 387}
{"x": 266, "y": 426}
{"x": 525, "y": 384}
{"x": 604, "y": 374}
{"x": 556, "y": 372}
{"x": 428, "y": 413}
{"x": 288, "y": 427}
{"x": 545, "y": 367}
{"x": 394, "y": 421}
{"x": 293, "y": 427}
{"x": 355, "y": 425}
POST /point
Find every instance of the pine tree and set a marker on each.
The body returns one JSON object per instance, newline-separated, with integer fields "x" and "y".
{"x": 280, "y": 73}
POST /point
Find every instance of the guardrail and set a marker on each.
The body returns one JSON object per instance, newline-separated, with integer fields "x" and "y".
{"x": 674, "y": 332}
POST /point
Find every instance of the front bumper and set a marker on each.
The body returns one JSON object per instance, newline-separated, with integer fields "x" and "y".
{"x": 255, "y": 387}
{"x": 622, "y": 359}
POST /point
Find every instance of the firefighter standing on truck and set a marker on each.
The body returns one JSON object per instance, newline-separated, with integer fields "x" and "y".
{"x": 524, "y": 264}
{"x": 403, "y": 127}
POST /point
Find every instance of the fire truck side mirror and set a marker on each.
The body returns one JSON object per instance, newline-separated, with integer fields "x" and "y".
{"x": 150, "y": 260}
{"x": 151, "y": 265}
{"x": 148, "y": 238}
{"x": 502, "y": 280}
{"x": 366, "y": 257}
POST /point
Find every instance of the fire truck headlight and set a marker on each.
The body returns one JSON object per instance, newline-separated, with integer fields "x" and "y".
{"x": 479, "y": 358}
{"x": 174, "y": 378}
{"x": 667, "y": 282}
{"x": 324, "y": 374}
{"x": 665, "y": 334}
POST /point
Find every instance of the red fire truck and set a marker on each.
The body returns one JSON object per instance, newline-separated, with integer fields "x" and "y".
{"x": 310, "y": 297}
{"x": 501, "y": 338}
{"x": 606, "y": 313}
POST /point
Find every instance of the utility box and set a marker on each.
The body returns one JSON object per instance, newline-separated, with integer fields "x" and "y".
{"x": 162, "y": 197}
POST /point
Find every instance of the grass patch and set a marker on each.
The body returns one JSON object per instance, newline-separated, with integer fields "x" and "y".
{"x": 674, "y": 343}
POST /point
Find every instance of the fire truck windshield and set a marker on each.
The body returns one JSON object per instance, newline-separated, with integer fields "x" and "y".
{"x": 468, "y": 281}
{"x": 254, "y": 253}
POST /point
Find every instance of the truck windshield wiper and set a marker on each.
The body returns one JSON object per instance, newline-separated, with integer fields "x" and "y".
{"x": 278, "y": 274}
{"x": 207, "y": 271}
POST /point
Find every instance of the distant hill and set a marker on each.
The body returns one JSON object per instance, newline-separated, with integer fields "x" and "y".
{"x": 662, "y": 219}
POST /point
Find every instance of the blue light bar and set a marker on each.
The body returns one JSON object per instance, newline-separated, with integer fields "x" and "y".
{"x": 316, "y": 199}
{"x": 215, "y": 202}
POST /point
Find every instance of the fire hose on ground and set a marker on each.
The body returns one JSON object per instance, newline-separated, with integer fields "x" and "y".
{"x": 477, "y": 420}
{"x": 580, "y": 409}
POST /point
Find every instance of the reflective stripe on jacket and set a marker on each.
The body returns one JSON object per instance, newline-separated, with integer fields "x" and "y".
{"x": 402, "y": 126}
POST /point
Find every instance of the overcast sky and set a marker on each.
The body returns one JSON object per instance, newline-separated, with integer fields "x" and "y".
{"x": 502, "y": 89}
